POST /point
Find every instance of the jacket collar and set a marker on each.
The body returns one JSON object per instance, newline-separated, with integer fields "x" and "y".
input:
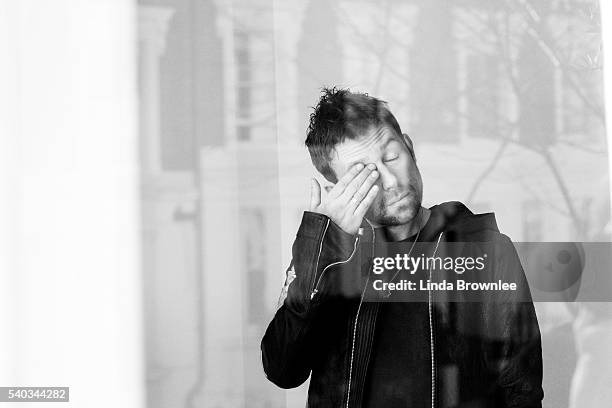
{"x": 453, "y": 217}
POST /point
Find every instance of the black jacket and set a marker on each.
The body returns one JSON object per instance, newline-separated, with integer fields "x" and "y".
{"x": 324, "y": 329}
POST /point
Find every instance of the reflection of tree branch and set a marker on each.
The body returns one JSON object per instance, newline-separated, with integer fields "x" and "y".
{"x": 578, "y": 146}
{"x": 541, "y": 37}
{"x": 563, "y": 188}
{"x": 506, "y": 58}
{"x": 487, "y": 171}
{"x": 537, "y": 35}
{"x": 543, "y": 151}
{"x": 365, "y": 41}
{"x": 385, "y": 50}
{"x": 547, "y": 203}
{"x": 543, "y": 41}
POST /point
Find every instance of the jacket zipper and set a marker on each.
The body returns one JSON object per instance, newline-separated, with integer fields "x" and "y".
{"x": 432, "y": 350}
{"x": 431, "y": 334}
{"x": 314, "y": 275}
{"x": 316, "y": 286}
{"x": 348, "y": 392}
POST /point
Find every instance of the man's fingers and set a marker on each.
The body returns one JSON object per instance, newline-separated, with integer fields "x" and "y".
{"x": 356, "y": 184}
{"x": 345, "y": 180}
{"x": 315, "y": 194}
{"x": 362, "y": 208}
{"x": 360, "y": 190}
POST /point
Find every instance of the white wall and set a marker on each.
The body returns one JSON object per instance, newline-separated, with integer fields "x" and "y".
{"x": 69, "y": 242}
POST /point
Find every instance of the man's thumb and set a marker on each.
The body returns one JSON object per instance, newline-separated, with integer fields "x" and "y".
{"x": 315, "y": 194}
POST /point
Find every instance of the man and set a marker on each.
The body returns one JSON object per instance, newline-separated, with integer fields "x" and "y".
{"x": 360, "y": 353}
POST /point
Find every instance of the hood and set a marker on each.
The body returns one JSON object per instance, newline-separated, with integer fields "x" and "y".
{"x": 457, "y": 221}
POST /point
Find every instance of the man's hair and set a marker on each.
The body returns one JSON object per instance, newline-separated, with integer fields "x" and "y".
{"x": 339, "y": 114}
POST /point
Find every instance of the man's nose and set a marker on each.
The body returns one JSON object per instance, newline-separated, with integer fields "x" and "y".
{"x": 387, "y": 179}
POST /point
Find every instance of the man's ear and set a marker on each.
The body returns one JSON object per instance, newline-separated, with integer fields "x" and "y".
{"x": 409, "y": 145}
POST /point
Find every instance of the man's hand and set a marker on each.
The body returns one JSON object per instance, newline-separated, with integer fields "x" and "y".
{"x": 347, "y": 202}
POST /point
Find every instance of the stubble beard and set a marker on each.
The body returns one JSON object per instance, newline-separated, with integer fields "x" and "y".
{"x": 403, "y": 214}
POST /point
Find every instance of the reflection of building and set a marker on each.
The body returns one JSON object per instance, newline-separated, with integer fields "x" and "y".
{"x": 168, "y": 197}
{"x": 223, "y": 152}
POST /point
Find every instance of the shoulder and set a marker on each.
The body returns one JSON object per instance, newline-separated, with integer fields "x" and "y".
{"x": 461, "y": 224}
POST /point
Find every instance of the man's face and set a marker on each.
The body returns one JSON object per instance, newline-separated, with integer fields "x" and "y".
{"x": 401, "y": 186}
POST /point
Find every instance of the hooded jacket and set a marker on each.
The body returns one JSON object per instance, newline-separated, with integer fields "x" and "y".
{"x": 325, "y": 330}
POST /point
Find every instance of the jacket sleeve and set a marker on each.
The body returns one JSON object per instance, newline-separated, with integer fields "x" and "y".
{"x": 518, "y": 360}
{"x": 287, "y": 345}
